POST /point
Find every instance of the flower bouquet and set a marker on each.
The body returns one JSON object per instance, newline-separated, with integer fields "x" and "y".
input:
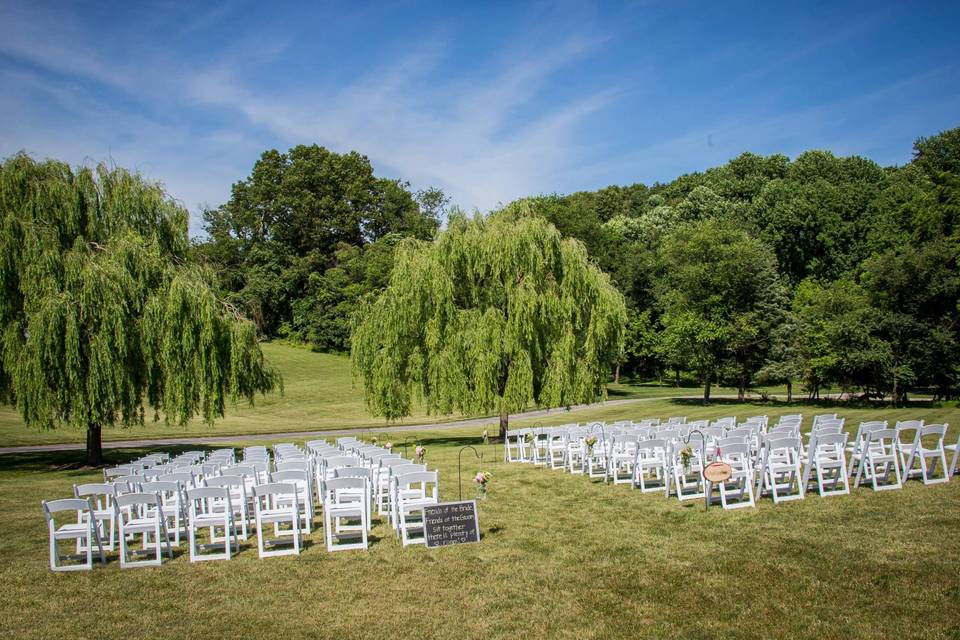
{"x": 420, "y": 452}
{"x": 589, "y": 441}
{"x": 686, "y": 455}
{"x": 482, "y": 478}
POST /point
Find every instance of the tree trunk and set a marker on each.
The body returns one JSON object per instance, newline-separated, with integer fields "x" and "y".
{"x": 504, "y": 422}
{"x": 789, "y": 390}
{"x": 706, "y": 389}
{"x": 94, "y": 446}
{"x": 895, "y": 394}
{"x": 676, "y": 376}
{"x": 616, "y": 375}
{"x": 742, "y": 387}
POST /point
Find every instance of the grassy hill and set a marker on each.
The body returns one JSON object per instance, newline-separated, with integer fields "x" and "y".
{"x": 318, "y": 394}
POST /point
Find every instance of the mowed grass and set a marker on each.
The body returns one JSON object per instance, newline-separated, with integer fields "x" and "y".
{"x": 560, "y": 557}
{"x": 318, "y": 394}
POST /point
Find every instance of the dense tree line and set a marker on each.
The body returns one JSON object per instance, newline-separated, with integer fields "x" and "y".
{"x": 821, "y": 271}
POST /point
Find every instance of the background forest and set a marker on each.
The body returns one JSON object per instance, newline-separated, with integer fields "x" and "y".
{"x": 816, "y": 272}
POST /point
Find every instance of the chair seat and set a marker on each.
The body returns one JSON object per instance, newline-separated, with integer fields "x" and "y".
{"x": 276, "y": 515}
{"x": 74, "y": 530}
{"x": 208, "y": 520}
{"x": 140, "y": 525}
{"x": 417, "y": 503}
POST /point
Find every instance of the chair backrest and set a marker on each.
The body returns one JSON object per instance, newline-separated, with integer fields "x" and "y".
{"x": 138, "y": 499}
{"x": 275, "y": 489}
{"x": 334, "y": 485}
{"x": 652, "y": 445}
{"x": 830, "y": 440}
{"x": 724, "y": 443}
{"x": 65, "y": 504}
{"x": 168, "y": 489}
{"x": 403, "y": 469}
{"x": 200, "y": 495}
{"x": 100, "y": 492}
{"x": 290, "y": 475}
{"x": 827, "y": 428}
{"x": 335, "y": 462}
{"x": 938, "y": 430}
{"x": 185, "y": 478}
{"x": 354, "y": 472}
{"x": 127, "y": 484}
{"x": 735, "y": 451}
{"x": 227, "y": 481}
{"x": 883, "y": 436}
{"x": 115, "y": 472}
{"x": 298, "y": 465}
{"x": 778, "y": 443}
{"x": 428, "y": 480}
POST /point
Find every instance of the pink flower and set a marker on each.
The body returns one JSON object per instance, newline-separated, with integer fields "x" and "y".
{"x": 481, "y": 477}
{"x": 388, "y": 446}
{"x": 420, "y": 451}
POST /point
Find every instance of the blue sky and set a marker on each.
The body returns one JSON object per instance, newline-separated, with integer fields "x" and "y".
{"x": 489, "y": 101}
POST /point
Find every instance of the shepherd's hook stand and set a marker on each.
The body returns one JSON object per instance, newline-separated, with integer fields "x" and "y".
{"x": 460, "y": 468}
{"x": 707, "y": 488}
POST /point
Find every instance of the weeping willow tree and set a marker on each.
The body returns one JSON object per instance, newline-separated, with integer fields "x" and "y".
{"x": 495, "y": 314}
{"x": 102, "y": 320}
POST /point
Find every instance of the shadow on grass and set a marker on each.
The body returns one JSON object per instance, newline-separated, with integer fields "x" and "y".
{"x": 825, "y": 403}
{"x": 74, "y": 462}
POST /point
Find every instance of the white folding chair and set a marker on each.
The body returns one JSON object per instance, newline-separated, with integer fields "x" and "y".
{"x": 737, "y": 490}
{"x": 952, "y": 469}
{"x": 918, "y": 452}
{"x": 211, "y": 508}
{"x": 395, "y": 491}
{"x": 141, "y": 513}
{"x": 650, "y": 469}
{"x": 623, "y": 455}
{"x": 346, "y": 509}
{"x": 366, "y": 474}
{"x": 84, "y": 532}
{"x": 880, "y": 460}
{"x": 277, "y": 504}
{"x": 237, "y": 487}
{"x": 173, "y": 506}
{"x": 304, "y": 482}
{"x": 688, "y": 482}
{"x": 104, "y": 511}
{"x": 780, "y": 472}
{"x": 414, "y": 492}
{"x": 827, "y": 458}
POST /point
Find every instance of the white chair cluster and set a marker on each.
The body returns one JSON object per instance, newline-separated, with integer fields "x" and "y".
{"x": 765, "y": 460}
{"x": 274, "y": 494}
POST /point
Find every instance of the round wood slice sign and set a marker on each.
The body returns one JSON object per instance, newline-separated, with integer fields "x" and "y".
{"x": 717, "y": 471}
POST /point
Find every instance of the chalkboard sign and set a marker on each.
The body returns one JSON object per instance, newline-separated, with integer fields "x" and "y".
{"x": 451, "y": 523}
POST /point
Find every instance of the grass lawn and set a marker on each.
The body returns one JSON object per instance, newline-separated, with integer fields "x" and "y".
{"x": 561, "y": 557}
{"x": 318, "y": 394}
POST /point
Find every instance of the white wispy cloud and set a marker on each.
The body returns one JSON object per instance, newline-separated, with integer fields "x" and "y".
{"x": 408, "y": 114}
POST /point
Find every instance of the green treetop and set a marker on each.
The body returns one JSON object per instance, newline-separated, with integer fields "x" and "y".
{"x": 101, "y": 316}
{"x": 495, "y": 314}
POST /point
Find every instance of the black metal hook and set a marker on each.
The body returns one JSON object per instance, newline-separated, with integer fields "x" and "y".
{"x": 460, "y": 469}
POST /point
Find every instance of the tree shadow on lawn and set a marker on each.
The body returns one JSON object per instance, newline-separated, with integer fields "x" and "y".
{"x": 825, "y": 403}
{"x": 74, "y": 461}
